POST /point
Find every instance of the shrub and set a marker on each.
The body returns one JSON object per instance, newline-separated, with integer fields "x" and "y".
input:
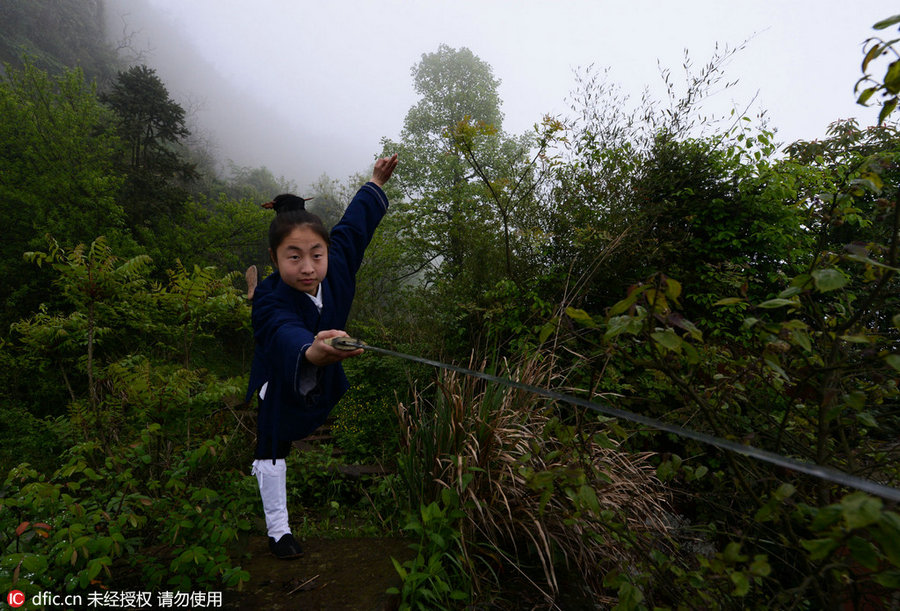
{"x": 531, "y": 490}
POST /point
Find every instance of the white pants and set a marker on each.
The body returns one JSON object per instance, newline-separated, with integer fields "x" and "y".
{"x": 272, "y": 481}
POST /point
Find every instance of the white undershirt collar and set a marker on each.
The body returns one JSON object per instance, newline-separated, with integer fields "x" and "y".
{"x": 317, "y": 298}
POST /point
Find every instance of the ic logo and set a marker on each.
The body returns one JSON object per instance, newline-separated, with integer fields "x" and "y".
{"x": 15, "y": 598}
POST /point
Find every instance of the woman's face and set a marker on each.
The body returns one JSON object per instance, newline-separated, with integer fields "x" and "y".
{"x": 302, "y": 259}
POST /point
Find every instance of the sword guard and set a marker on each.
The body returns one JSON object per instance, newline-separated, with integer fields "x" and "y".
{"x": 344, "y": 343}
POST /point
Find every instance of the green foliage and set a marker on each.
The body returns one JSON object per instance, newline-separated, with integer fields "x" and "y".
{"x": 453, "y": 84}
{"x": 461, "y": 177}
{"x": 531, "y": 491}
{"x": 365, "y": 429}
{"x": 58, "y": 178}
{"x": 113, "y": 520}
{"x": 57, "y": 36}
{"x": 146, "y": 492}
{"x": 151, "y": 127}
{"x": 436, "y": 578}
{"x": 255, "y": 184}
{"x": 889, "y": 85}
{"x": 313, "y": 478}
{"x": 804, "y": 369}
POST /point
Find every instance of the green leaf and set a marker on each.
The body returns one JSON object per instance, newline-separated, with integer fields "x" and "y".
{"x": 886, "y": 23}
{"x": 865, "y": 95}
{"x": 629, "y": 301}
{"x": 886, "y": 109}
{"x": 790, "y": 292}
{"x": 801, "y": 338}
{"x": 893, "y": 360}
{"x": 760, "y": 565}
{"x": 867, "y": 419}
{"x": 580, "y": 316}
{"x": 547, "y": 330}
{"x": 869, "y": 261}
{"x": 777, "y": 303}
{"x": 892, "y": 77}
{"x": 859, "y": 509}
{"x": 829, "y": 279}
{"x": 741, "y": 584}
{"x": 889, "y": 528}
{"x": 729, "y": 301}
{"x": 693, "y": 357}
{"x": 733, "y": 553}
{"x": 874, "y": 52}
{"x": 668, "y": 339}
{"x": 673, "y": 288}
{"x": 888, "y": 579}
{"x": 858, "y": 339}
{"x": 784, "y": 491}
{"x": 622, "y": 324}
{"x": 34, "y": 563}
{"x": 863, "y": 552}
{"x": 818, "y": 548}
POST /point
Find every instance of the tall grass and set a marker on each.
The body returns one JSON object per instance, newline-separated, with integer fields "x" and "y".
{"x": 534, "y": 490}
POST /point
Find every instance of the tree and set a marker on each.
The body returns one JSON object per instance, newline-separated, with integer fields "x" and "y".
{"x": 454, "y": 86}
{"x": 152, "y": 127}
{"x": 56, "y": 151}
{"x": 653, "y": 188}
{"x": 258, "y": 184}
{"x": 150, "y": 122}
{"x": 466, "y": 216}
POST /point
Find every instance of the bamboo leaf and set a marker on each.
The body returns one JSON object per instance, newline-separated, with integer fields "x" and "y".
{"x": 886, "y": 23}
{"x": 874, "y": 52}
{"x": 729, "y": 301}
{"x": 776, "y": 303}
{"x": 581, "y": 317}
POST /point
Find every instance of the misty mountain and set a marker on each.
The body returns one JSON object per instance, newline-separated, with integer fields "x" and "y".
{"x": 235, "y": 123}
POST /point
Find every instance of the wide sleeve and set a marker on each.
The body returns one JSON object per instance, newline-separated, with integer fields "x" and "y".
{"x": 351, "y": 236}
{"x": 289, "y": 346}
{"x": 283, "y": 339}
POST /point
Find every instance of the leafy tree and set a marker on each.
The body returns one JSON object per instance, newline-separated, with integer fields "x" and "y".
{"x": 229, "y": 234}
{"x": 255, "y": 184}
{"x": 454, "y": 86}
{"x": 649, "y": 189}
{"x": 466, "y": 216}
{"x": 151, "y": 126}
{"x": 150, "y": 122}
{"x": 56, "y": 151}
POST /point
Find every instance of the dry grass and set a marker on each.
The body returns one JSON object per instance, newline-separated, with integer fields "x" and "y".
{"x": 532, "y": 489}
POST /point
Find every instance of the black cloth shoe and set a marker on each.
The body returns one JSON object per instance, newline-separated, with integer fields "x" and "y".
{"x": 286, "y": 547}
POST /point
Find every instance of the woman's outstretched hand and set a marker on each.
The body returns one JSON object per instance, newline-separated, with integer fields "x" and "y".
{"x": 384, "y": 167}
{"x": 320, "y": 354}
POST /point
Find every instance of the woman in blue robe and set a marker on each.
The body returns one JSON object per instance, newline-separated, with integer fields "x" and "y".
{"x": 297, "y": 376}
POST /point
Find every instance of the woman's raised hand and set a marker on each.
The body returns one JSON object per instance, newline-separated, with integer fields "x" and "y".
{"x": 384, "y": 167}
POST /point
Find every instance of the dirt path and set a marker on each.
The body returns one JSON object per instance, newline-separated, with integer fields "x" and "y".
{"x": 333, "y": 574}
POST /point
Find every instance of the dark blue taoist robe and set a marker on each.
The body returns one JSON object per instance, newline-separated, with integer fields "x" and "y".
{"x": 300, "y": 396}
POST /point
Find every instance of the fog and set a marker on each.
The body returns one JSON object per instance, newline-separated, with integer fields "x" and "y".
{"x": 307, "y": 88}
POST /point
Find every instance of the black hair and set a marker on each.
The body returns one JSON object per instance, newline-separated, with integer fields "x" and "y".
{"x": 290, "y": 212}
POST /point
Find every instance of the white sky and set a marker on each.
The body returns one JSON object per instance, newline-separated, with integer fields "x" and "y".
{"x": 319, "y": 83}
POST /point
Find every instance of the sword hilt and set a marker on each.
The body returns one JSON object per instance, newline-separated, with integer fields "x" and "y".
{"x": 344, "y": 343}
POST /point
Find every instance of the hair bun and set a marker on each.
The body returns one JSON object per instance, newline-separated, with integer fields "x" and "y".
{"x": 287, "y": 202}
